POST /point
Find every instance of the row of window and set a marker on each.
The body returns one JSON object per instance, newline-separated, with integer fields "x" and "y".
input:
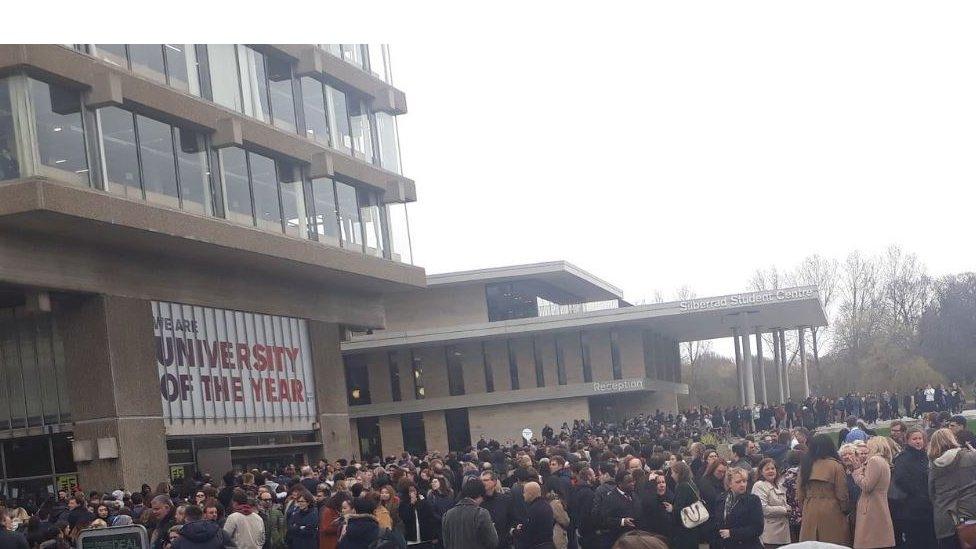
{"x": 660, "y": 362}
{"x": 414, "y": 433}
{"x": 264, "y": 87}
{"x": 139, "y": 157}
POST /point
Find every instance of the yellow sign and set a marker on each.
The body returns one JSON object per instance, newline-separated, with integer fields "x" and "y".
{"x": 69, "y": 483}
{"x": 176, "y": 471}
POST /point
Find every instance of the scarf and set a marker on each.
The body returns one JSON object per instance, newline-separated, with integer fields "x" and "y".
{"x": 244, "y": 508}
{"x": 730, "y": 502}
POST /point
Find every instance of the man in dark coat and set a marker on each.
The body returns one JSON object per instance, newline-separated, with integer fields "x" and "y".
{"x": 165, "y": 514}
{"x": 10, "y": 539}
{"x": 620, "y": 511}
{"x": 200, "y": 534}
{"x": 467, "y": 525}
{"x": 498, "y": 502}
{"x": 536, "y": 531}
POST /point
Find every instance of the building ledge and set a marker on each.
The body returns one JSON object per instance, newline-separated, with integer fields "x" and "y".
{"x": 595, "y": 388}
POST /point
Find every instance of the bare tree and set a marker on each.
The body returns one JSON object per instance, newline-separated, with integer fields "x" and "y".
{"x": 859, "y": 315}
{"x": 692, "y": 351}
{"x": 765, "y": 279}
{"x": 816, "y": 270}
{"x": 907, "y": 289}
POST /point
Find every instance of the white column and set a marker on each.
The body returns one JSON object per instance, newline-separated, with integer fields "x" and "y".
{"x": 762, "y": 366}
{"x": 738, "y": 366}
{"x": 778, "y": 365}
{"x": 801, "y": 334}
{"x": 786, "y": 362}
{"x": 747, "y": 371}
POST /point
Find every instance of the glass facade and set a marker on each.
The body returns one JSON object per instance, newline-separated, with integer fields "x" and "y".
{"x": 33, "y": 384}
{"x": 393, "y": 360}
{"x": 455, "y": 370}
{"x": 34, "y": 468}
{"x": 414, "y": 434}
{"x": 9, "y": 163}
{"x": 357, "y": 380}
{"x": 59, "y": 130}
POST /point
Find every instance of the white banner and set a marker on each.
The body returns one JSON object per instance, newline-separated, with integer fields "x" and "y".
{"x": 232, "y": 365}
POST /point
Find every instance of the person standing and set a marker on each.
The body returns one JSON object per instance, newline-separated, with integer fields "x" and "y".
{"x": 536, "y": 531}
{"x": 619, "y": 509}
{"x": 498, "y": 502}
{"x": 913, "y": 511}
{"x": 685, "y": 493}
{"x": 873, "y": 527}
{"x": 197, "y": 533}
{"x": 417, "y": 517}
{"x": 245, "y": 527}
{"x": 775, "y": 510}
{"x": 952, "y": 485}
{"x": 467, "y": 525}
{"x": 823, "y": 492}
{"x": 740, "y": 519}
{"x": 303, "y": 523}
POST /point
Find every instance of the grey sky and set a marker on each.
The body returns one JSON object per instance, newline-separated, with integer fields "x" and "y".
{"x": 686, "y": 145}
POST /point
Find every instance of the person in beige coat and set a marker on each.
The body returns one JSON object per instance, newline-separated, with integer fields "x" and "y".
{"x": 776, "y": 528}
{"x": 872, "y": 527}
{"x": 823, "y": 491}
{"x": 560, "y": 527}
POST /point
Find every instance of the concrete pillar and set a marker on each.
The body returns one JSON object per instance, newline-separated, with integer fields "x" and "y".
{"x": 786, "y": 363}
{"x": 330, "y": 392}
{"x": 778, "y": 365}
{"x": 747, "y": 371}
{"x": 391, "y": 435}
{"x": 801, "y": 335}
{"x": 435, "y": 429}
{"x": 762, "y": 365}
{"x": 111, "y": 367}
{"x": 738, "y": 366}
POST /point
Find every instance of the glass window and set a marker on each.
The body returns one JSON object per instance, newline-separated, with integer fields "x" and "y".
{"x": 377, "y": 61}
{"x": 486, "y": 365}
{"x": 326, "y": 222}
{"x": 292, "y": 199}
{"x": 370, "y": 443}
{"x": 394, "y": 362}
{"x": 540, "y": 373}
{"x": 9, "y": 165}
{"x": 59, "y": 130}
{"x": 119, "y": 156}
{"x": 414, "y": 434}
{"x": 339, "y": 118}
{"x": 181, "y": 64}
{"x": 113, "y": 53}
{"x": 282, "y": 94}
{"x": 350, "y": 224}
{"x": 63, "y": 457}
{"x": 237, "y": 191}
{"x": 399, "y": 233}
{"x": 264, "y": 184}
{"x": 357, "y": 380}
{"x": 147, "y": 60}
{"x": 615, "y": 355}
{"x": 386, "y": 132}
{"x": 455, "y": 370}
{"x": 334, "y": 49}
{"x": 191, "y": 154}
{"x": 225, "y": 84}
{"x": 362, "y": 138}
{"x": 158, "y": 162}
{"x": 313, "y": 103}
{"x": 417, "y": 369}
{"x": 255, "y": 84}
{"x": 585, "y": 358}
{"x": 23, "y": 457}
{"x": 353, "y": 53}
{"x": 512, "y": 365}
{"x": 560, "y": 363}
{"x": 369, "y": 212}
{"x": 508, "y": 301}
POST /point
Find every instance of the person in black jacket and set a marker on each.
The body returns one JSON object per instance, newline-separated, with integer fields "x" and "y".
{"x": 303, "y": 523}
{"x": 620, "y": 511}
{"x": 581, "y": 509}
{"x": 655, "y": 502}
{"x": 417, "y": 517}
{"x": 10, "y": 539}
{"x": 200, "y": 534}
{"x": 740, "y": 519}
{"x": 500, "y": 505}
{"x": 912, "y": 512}
{"x": 536, "y": 531}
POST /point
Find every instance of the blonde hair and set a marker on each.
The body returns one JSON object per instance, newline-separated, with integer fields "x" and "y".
{"x": 732, "y": 472}
{"x": 881, "y": 446}
{"x": 941, "y": 441}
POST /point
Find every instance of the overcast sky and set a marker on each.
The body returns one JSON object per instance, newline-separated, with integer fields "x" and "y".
{"x": 692, "y": 143}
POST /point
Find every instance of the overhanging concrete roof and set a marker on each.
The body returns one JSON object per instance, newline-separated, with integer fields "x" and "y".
{"x": 691, "y": 320}
{"x": 561, "y": 274}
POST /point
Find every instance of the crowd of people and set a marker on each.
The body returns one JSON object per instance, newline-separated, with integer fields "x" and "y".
{"x": 653, "y": 481}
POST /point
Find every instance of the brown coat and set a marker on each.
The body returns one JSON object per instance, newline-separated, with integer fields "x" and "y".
{"x": 825, "y": 502}
{"x": 328, "y": 528}
{"x": 873, "y": 527}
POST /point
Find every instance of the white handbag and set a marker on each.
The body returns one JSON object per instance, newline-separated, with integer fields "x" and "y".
{"x": 695, "y": 514}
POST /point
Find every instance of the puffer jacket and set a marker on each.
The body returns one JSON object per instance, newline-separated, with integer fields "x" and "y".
{"x": 952, "y": 488}
{"x": 202, "y": 534}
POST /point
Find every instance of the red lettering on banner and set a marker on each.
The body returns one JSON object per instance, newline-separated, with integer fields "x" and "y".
{"x": 185, "y": 387}
{"x": 205, "y": 381}
{"x": 212, "y": 353}
{"x": 225, "y": 354}
{"x": 279, "y": 362}
{"x": 260, "y": 359}
{"x": 293, "y": 355}
{"x": 238, "y": 386}
{"x": 243, "y": 356}
{"x": 283, "y": 390}
{"x": 220, "y": 389}
{"x": 257, "y": 387}
{"x": 269, "y": 389}
{"x": 297, "y": 390}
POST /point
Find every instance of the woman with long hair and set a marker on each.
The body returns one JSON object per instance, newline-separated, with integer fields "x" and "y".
{"x": 873, "y": 527}
{"x": 685, "y": 493}
{"x": 912, "y": 511}
{"x": 769, "y": 489}
{"x": 441, "y": 496}
{"x": 823, "y": 492}
{"x": 553, "y": 491}
{"x": 952, "y": 485}
{"x": 329, "y": 521}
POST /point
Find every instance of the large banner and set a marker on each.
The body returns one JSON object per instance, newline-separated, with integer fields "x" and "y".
{"x": 232, "y": 365}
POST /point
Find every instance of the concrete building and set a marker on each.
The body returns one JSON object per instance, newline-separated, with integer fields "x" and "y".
{"x": 495, "y": 351}
{"x": 185, "y": 232}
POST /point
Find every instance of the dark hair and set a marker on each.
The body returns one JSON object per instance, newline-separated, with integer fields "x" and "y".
{"x": 239, "y": 497}
{"x": 193, "y": 512}
{"x": 553, "y": 485}
{"x": 821, "y": 447}
{"x": 363, "y": 505}
{"x": 473, "y": 488}
{"x": 230, "y": 478}
{"x": 739, "y": 449}
{"x": 335, "y": 502}
{"x": 958, "y": 419}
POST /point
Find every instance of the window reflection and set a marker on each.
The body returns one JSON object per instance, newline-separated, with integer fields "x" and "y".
{"x": 58, "y": 129}
{"x": 339, "y": 118}
{"x": 353, "y": 53}
{"x": 350, "y": 223}
{"x": 113, "y": 53}
{"x": 119, "y": 156}
{"x": 254, "y": 84}
{"x": 389, "y": 149}
{"x": 158, "y": 163}
{"x": 361, "y": 132}
{"x": 181, "y": 64}
{"x": 324, "y": 202}
{"x": 147, "y": 60}
{"x": 237, "y": 192}
{"x": 264, "y": 186}
{"x": 282, "y": 96}
{"x": 369, "y": 211}
{"x": 9, "y": 165}
{"x": 313, "y": 103}
{"x": 225, "y": 85}
{"x": 194, "y": 172}
{"x": 292, "y": 199}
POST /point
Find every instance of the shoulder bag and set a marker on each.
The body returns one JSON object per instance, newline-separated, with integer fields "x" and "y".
{"x": 695, "y": 514}
{"x": 965, "y": 531}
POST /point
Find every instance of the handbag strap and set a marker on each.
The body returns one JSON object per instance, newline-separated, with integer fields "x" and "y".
{"x": 695, "y": 491}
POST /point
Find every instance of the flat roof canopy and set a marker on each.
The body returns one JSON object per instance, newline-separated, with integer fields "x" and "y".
{"x": 691, "y": 320}
{"x": 560, "y": 274}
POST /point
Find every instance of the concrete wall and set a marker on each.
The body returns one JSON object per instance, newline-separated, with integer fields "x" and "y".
{"x": 330, "y": 391}
{"x": 504, "y": 423}
{"x": 497, "y": 352}
{"x": 435, "y": 429}
{"x": 522, "y": 347}
{"x": 600, "y": 354}
{"x": 110, "y": 360}
{"x": 391, "y": 435}
{"x": 569, "y": 345}
{"x": 631, "y": 352}
{"x": 436, "y": 307}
